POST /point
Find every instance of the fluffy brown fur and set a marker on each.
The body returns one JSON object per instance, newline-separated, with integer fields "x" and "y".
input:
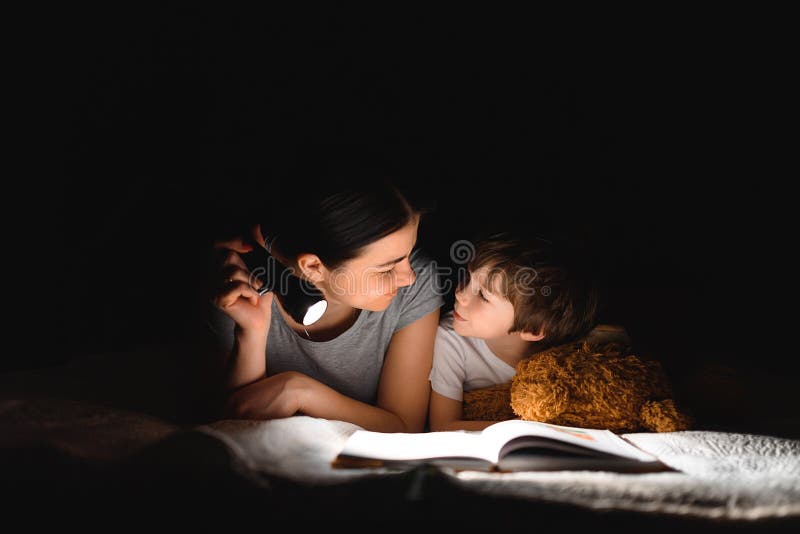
{"x": 592, "y": 383}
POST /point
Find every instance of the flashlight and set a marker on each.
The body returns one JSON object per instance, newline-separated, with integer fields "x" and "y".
{"x": 300, "y": 298}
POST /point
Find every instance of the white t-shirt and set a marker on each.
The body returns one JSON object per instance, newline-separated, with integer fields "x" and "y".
{"x": 464, "y": 363}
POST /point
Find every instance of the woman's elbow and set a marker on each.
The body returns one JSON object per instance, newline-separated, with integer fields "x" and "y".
{"x": 235, "y": 407}
{"x": 412, "y": 426}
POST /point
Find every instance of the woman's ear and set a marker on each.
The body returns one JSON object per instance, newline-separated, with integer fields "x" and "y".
{"x": 530, "y": 336}
{"x": 311, "y": 267}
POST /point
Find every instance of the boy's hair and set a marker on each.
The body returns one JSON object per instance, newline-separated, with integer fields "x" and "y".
{"x": 550, "y": 290}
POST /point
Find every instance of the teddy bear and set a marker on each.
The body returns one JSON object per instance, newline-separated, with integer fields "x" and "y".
{"x": 593, "y": 382}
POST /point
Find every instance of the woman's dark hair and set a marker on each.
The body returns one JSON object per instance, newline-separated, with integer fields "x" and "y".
{"x": 334, "y": 208}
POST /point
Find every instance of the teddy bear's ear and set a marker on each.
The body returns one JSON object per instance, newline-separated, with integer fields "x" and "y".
{"x": 540, "y": 402}
{"x": 603, "y": 334}
{"x": 538, "y": 390}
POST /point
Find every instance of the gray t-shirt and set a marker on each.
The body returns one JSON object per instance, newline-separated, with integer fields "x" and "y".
{"x": 350, "y": 363}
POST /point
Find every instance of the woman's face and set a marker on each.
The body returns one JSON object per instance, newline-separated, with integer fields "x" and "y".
{"x": 371, "y": 281}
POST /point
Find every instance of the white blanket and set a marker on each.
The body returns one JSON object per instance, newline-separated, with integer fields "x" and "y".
{"x": 97, "y": 410}
{"x": 723, "y": 475}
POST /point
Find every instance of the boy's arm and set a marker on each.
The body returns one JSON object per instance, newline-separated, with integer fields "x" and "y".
{"x": 446, "y": 413}
{"x": 447, "y": 376}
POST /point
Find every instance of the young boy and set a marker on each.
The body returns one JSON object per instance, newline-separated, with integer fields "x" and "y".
{"x": 521, "y": 297}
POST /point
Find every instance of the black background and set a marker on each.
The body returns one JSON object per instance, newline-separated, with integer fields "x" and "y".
{"x": 167, "y": 129}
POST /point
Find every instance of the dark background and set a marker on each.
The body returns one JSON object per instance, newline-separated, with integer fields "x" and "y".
{"x": 165, "y": 130}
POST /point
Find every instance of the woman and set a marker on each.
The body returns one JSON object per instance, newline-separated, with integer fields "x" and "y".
{"x": 367, "y": 360}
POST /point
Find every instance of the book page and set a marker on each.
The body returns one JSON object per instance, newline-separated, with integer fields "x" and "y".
{"x": 605, "y": 441}
{"x": 407, "y": 446}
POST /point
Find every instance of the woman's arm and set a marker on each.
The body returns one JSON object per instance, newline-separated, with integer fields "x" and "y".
{"x": 403, "y": 392}
{"x": 236, "y": 301}
{"x": 446, "y": 413}
{"x": 246, "y": 362}
{"x": 225, "y": 371}
{"x": 404, "y": 388}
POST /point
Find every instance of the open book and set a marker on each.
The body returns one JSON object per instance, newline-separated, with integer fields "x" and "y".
{"x": 513, "y": 445}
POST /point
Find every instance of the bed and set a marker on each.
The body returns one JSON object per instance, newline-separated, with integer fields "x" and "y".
{"x": 116, "y": 432}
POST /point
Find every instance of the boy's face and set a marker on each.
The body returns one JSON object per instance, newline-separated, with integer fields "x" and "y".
{"x": 482, "y": 311}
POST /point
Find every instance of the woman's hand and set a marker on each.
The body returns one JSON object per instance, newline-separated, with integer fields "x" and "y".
{"x": 274, "y": 397}
{"x": 236, "y": 288}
